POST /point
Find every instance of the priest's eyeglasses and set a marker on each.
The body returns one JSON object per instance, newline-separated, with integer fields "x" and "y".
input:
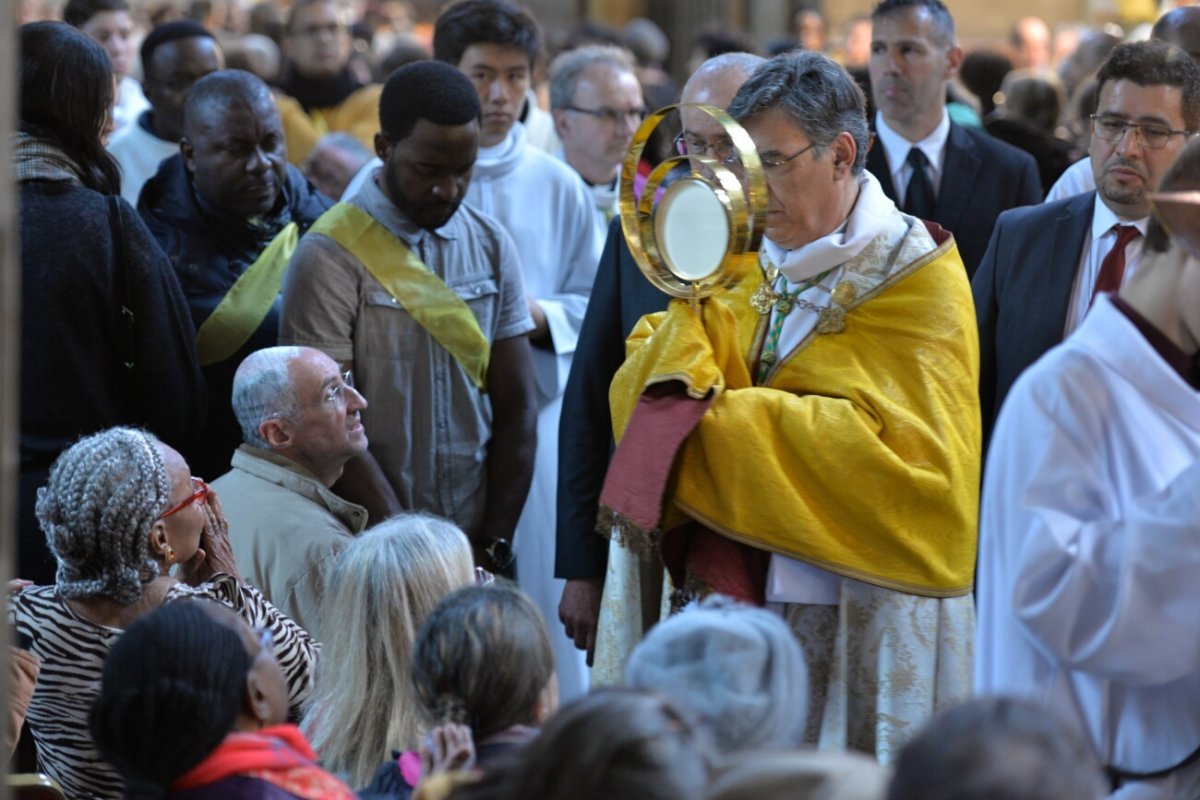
{"x": 199, "y": 497}
{"x": 691, "y": 146}
{"x": 769, "y": 165}
{"x": 1112, "y": 129}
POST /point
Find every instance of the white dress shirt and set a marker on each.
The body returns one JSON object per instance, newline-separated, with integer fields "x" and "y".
{"x": 896, "y": 148}
{"x": 1095, "y": 248}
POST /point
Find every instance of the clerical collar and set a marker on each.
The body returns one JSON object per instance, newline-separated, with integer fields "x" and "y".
{"x": 1173, "y": 354}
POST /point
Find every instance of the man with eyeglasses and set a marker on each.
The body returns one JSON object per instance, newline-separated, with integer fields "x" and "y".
{"x": 300, "y": 421}
{"x": 620, "y": 297}
{"x": 1047, "y": 264}
{"x": 932, "y": 168}
{"x": 597, "y": 105}
{"x": 810, "y": 439}
{"x": 1179, "y": 27}
{"x": 545, "y": 206}
{"x": 321, "y": 93}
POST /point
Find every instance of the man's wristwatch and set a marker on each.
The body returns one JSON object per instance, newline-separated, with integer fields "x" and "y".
{"x": 501, "y": 554}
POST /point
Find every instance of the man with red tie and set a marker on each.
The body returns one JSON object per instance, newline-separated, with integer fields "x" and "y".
{"x": 1046, "y": 264}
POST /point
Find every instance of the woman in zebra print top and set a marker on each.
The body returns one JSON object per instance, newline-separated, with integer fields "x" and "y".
{"x": 121, "y": 509}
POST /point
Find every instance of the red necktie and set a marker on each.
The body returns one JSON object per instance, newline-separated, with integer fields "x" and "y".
{"x": 1112, "y": 268}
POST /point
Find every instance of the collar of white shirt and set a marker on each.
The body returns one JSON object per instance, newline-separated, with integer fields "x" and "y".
{"x": 896, "y": 148}
{"x": 1103, "y": 220}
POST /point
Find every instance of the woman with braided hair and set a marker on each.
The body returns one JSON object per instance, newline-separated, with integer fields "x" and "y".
{"x": 482, "y": 660}
{"x": 193, "y": 705}
{"x": 120, "y": 510}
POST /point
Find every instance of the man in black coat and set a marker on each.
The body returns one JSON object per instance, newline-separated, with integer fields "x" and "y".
{"x": 620, "y": 297}
{"x": 932, "y": 168}
{"x": 228, "y": 211}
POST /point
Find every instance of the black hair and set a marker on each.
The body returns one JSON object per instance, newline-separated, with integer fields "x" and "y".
{"x": 982, "y": 72}
{"x": 943, "y": 23}
{"x": 218, "y": 89}
{"x": 171, "y": 690}
{"x": 77, "y": 12}
{"x": 66, "y": 92}
{"x": 426, "y": 90}
{"x": 171, "y": 32}
{"x": 1155, "y": 63}
{"x": 484, "y": 22}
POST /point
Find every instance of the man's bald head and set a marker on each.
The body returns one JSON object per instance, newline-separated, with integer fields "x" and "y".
{"x": 1180, "y": 27}
{"x": 233, "y": 144}
{"x": 212, "y": 95}
{"x": 714, "y": 83}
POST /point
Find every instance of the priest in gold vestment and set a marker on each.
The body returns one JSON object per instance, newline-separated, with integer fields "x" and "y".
{"x": 810, "y": 440}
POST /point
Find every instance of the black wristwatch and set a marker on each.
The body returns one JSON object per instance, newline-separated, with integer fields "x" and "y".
{"x": 501, "y": 554}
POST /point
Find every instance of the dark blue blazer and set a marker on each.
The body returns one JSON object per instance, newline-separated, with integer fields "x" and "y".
{"x": 620, "y": 297}
{"x": 1023, "y": 289}
{"x": 981, "y": 177}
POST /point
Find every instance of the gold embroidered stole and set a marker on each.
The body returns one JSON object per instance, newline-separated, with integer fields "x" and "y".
{"x": 248, "y": 301}
{"x": 433, "y": 305}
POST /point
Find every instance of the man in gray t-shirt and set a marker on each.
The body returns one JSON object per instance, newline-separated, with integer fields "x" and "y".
{"x": 440, "y": 442}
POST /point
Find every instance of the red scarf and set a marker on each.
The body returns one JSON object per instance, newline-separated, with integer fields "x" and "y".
{"x": 279, "y": 755}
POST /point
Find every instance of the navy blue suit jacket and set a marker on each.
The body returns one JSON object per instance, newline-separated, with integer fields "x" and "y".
{"x": 1023, "y": 290}
{"x": 981, "y": 177}
{"x": 620, "y": 297}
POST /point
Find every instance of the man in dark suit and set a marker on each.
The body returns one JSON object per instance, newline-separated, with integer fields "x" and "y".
{"x": 620, "y": 297}
{"x": 1046, "y": 263}
{"x": 933, "y": 169}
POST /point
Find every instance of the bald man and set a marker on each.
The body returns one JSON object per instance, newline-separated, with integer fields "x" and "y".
{"x": 620, "y": 297}
{"x": 228, "y": 210}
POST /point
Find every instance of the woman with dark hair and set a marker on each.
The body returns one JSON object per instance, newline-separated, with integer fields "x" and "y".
{"x": 105, "y": 333}
{"x": 193, "y": 705}
{"x": 121, "y": 510}
{"x": 109, "y": 24}
{"x": 613, "y": 743}
{"x": 482, "y": 659}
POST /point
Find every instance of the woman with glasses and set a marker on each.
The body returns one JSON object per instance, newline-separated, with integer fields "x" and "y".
{"x": 193, "y": 705}
{"x": 130, "y": 530}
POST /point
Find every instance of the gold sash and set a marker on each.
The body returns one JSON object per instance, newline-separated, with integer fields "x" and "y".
{"x": 433, "y": 304}
{"x": 248, "y": 301}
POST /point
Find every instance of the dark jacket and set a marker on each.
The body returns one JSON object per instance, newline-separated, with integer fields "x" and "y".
{"x": 981, "y": 177}
{"x": 620, "y": 297}
{"x": 1023, "y": 290}
{"x": 72, "y": 340}
{"x": 209, "y": 250}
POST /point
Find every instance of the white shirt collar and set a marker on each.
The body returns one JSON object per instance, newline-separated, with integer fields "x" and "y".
{"x": 1103, "y": 219}
{"x": 896, "y": 147}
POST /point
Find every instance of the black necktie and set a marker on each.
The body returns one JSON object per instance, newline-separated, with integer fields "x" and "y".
{"x": 918, "y": 200}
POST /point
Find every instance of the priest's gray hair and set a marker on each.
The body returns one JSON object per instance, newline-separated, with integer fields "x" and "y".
{"x": 738, "y": 668}
{"x": 743, "y": 63}
{"x": 817, "y": 93}
{"x": 102, "y": 498}
{"x": 263, "y": 390}
{"x": 566, "y": 69}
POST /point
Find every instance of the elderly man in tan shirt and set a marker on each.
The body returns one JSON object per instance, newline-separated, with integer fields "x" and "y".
{"x": 299, "y": 414}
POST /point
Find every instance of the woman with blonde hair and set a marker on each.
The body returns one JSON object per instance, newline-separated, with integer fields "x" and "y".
{"x": 379, "y": 593}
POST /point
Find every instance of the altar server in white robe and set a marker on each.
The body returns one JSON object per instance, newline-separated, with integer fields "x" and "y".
{"x": 1089, "y": 553}
{"x": 545, "y": 206}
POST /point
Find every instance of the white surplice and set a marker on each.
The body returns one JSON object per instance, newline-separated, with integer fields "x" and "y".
{"x": 545, "y": 206}
{"x": 1089, "y": 552}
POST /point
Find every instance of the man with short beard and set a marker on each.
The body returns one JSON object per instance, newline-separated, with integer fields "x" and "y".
{"x": 1046, "y": 264}
{"x": 421, "y": 295}
{"x": 228, "y": 211}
